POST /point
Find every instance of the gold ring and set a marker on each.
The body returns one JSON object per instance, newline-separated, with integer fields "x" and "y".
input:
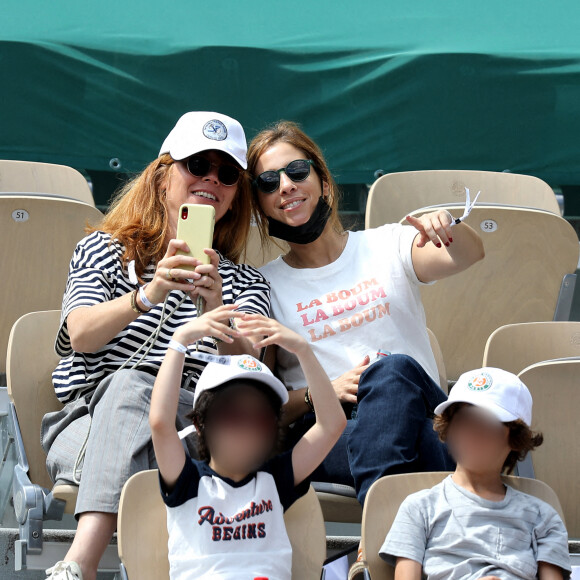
{"x": 168, "y": 275}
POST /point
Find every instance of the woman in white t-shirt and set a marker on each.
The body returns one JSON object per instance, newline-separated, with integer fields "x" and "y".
{"x": 352, "y": 294}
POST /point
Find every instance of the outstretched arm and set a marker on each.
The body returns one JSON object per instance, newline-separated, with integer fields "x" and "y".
{"x": 316, "y": 443}
{"x": 452, "y": 249}
{"x": 165, "y": 397}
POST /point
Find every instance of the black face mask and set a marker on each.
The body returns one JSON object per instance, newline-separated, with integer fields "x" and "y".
{"x": 307, "y": 232}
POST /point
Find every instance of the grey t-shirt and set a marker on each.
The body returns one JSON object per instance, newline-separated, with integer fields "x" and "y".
{"x": 456, "y": 534}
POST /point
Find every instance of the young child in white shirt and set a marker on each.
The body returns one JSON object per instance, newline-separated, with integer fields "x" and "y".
{"x": 471, "y": 525}
{"x": 225, "y": 511}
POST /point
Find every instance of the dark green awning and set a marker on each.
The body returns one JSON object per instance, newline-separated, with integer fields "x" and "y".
{"x": 384, "y": 85}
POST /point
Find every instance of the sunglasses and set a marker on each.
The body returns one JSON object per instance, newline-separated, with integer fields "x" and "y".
{"x": 269, "y": 181}
{"x": 264, "y": 420}
{"x": 200, "y": 167}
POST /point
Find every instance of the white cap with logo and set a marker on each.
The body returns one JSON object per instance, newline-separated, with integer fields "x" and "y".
{"x": 239, "y": 367}
{"x": 499, "y": 392}
{"x": 200, "y": 131}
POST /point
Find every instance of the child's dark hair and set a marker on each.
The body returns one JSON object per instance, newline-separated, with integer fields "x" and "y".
{"x": 521, "y": 438}
{"x": 209, "y": 398}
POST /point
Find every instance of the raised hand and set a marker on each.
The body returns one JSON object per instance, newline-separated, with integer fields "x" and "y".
{"x": 434, "y": 227}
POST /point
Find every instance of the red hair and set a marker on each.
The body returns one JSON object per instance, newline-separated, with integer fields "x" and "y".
{"x": 138, "y": 218}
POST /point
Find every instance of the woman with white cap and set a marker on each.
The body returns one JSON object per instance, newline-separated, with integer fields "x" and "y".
{"x": 128, "y": 290}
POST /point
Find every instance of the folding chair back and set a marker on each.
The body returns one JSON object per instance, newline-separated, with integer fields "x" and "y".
{"x": 142, "y": 528}
{"x": 257, "y": 254}
{"x": 37, "y": 238}
{"x": 527, "y": 255}
{"x": 142, "y": 532}
{"x": 516, "y": 346}
{"x": 31, "y": 360}
{"x": 555, "y": 388}
{"x": 44, "y": 178}
{"x": 386, "y": 495}
{"x": 396, "y": 195}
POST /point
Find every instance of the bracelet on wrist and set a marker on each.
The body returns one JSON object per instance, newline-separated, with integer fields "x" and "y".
{"x": 175, "y": 345}
{"x": 134, "y": 305}
{"x": 146, "y": 302}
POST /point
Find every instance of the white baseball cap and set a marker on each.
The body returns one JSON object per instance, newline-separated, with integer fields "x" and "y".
{"x": 200, "y": 131}
{"x": 242, "y": 366}
{"x": 496, "y": 390}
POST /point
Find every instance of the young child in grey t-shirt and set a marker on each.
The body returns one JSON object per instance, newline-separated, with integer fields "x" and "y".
{"x": 471, "y": 525}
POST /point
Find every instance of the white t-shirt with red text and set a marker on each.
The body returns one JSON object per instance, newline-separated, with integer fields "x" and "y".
{"x": 368, "y": 299}
{"x": 221, "y": 529}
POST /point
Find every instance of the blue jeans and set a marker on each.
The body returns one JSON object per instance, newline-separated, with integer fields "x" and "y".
{"x": 392, "y": 431}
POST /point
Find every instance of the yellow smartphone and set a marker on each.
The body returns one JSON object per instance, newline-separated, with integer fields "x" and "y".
{"x": 195, "y": 227}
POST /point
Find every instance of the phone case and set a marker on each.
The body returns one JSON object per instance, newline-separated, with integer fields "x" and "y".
{"x": 195, "y": 227}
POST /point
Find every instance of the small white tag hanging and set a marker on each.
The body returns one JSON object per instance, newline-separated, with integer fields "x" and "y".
{"x": 468, "y": 207}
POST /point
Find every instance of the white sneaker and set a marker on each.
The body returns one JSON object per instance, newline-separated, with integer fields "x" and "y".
{"x": 64, "y": 571}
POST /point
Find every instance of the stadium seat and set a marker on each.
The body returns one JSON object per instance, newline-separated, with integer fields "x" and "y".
{"x": 516, "y": 346}
{"x": 555, "y": 388}
{"x": 44, "y": 178}
{"x": 257, "y": 254}
{"x": 142, "y": 532}
{"x": 38, "y": 235}
{"x": 396, "y": 195}
{"x": 528, "y": 275}
{"x": 382, "y": 504}
{"x": 31, "y": 360}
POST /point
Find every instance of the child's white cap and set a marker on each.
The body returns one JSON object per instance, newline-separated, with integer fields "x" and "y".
{"x": 242, "y": 366}
{"x": 495, "y": 390}
{"x": 200, "y": 131}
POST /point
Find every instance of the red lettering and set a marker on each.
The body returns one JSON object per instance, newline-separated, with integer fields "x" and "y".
{"x": 320, "y": 315}
{"x": 327, "y": 331}
{"x": 377, "y": 293}
{"x": 370, "y": 314}
{"x": 216, "y": 534}
{"x": 362, "y": 300}
{"x": 357, "y": 319}
{"x": 332, "y": 297}
{"x": 205, "y": 515}
{"x": 313, "y": 336}
{"x": 337, "y": 309}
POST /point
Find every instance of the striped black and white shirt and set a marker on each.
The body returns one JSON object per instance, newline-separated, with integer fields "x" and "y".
{"x": 97, "y": 274}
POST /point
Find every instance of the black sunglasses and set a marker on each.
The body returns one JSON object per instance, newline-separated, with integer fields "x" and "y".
{"x": 200, "y": 167}
{"x": 269, "y": 181}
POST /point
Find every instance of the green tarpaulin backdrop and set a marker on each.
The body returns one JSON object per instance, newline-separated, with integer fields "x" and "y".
{"x": 384, "y": 85}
